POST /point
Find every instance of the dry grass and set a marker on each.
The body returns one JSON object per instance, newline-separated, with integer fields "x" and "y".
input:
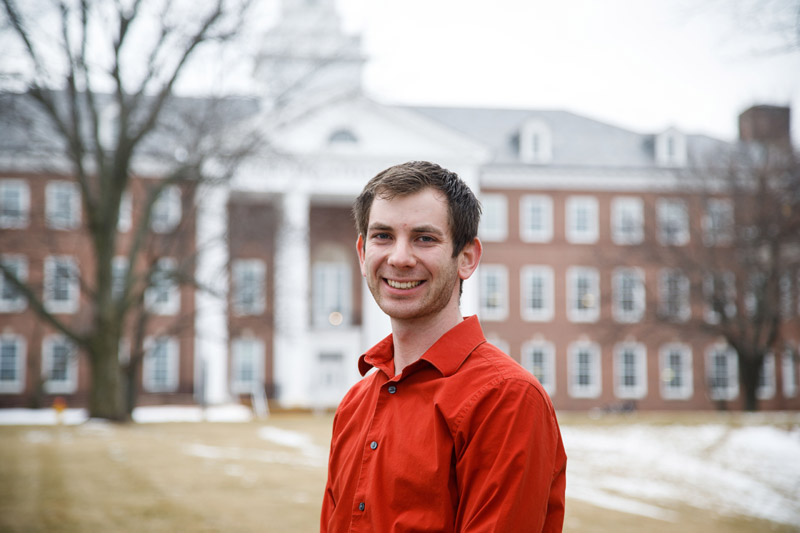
{"x": 208, "y": 477}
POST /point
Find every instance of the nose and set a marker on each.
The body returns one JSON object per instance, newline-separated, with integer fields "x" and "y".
{"x": 402, "y": 255}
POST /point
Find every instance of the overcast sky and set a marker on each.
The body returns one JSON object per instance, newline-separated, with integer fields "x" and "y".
{"x": 640, "y": 64}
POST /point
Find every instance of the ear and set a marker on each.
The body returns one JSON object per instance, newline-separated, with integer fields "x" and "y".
{"x": 360, "y": 252}
{"x": 469, "y": 258}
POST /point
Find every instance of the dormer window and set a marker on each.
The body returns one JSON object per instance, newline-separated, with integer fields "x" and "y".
{"x": 670, "y": 149}
{"x": 342, "y": 136}
{"x": 535, "y": 142}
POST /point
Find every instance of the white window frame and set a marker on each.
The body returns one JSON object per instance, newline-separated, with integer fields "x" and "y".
{"x": 499, "y": 311}
{"x": 544, "y": 207}
{"x": 332, "y": 293}
{"x": 788, "y": 373}
{"x": 125, "y": 219}
{"x": 17, "y": 385}
{"x": 672, "y": 215}
{"x": 545, "y": 274}
{"x": 494, "y": 220}
{"x": 52, "y": 265}
{"x": 167, "y": 210}
{"x": 731, "y": 391}
{"x": 621, "y": 287}
{"x": 578, "y": 208}
{"x": 627, "y": 220}
{"x": 171, "y": 345}
{"x": 594, "y": 387}
{"x": 249, "y": 287}
{"x": 20, "y": 218}
{"x": 683, "y": 296}
{"x": 18, "y": 302}
{"x": 637, "y": 390}
{"x": 247, "y": 351}
{"x": 68, "y": 385}
{"x": 119, "y": 271}
{"x": 545, "y": 371}
{"x": 591, "y": 310}
{"x": 535, "y": 142}
{"x": 163, "y": 296}
{"x": 718, "y": 222}
{"x": 767, "y": 382}
{"x": 728, "y": 281}
{"x": 667, "y": 374}
{"x": 786, "y": 295}
{"x": 62, "y": 205}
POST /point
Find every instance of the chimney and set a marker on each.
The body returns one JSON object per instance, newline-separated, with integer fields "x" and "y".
{"x": 766, "y": 124}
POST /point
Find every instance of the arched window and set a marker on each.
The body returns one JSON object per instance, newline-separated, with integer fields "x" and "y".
{"x": 342, "y": 136}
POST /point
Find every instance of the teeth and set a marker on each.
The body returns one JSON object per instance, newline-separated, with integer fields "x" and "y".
{"x": 402, "y": 284}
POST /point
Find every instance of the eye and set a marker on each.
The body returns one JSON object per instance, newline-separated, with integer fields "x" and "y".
{"x": 381, "y": 236}
{"x": 427, "y": 238}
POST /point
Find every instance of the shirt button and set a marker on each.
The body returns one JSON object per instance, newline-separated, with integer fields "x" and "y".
{"x": 361, "y": 506}
{"x": 373, "y": 445}
{"x": 392, "y": 389}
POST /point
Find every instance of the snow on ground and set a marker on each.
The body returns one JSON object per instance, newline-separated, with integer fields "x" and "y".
{"x": 752, "y": 470}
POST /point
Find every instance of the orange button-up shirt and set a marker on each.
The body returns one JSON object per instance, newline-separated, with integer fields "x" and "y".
{"x": 464, "y": 439}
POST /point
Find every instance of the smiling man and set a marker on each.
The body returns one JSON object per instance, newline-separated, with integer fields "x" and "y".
{"x": 448, "y": 433}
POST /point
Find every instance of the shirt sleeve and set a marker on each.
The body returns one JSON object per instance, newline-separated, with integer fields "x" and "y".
{"x": 328, "y": 501}
{"x": 510, "y": 461}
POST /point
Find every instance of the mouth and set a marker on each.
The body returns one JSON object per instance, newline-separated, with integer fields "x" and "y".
{"x": 404, "y": 285}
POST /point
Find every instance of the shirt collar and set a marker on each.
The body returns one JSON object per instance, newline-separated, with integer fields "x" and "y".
{"x": 446, "y": 355}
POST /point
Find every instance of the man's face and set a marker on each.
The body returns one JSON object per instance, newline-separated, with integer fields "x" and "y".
{"x": 407, "y": 256}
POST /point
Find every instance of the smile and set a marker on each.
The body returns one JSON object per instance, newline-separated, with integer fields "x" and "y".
{"x": 402, "y": 284}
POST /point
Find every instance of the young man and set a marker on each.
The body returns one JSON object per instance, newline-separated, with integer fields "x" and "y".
{"x": 448, "y": 433}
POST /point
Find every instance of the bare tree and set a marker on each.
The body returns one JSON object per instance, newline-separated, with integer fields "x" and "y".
{"x": 98, "y": 86}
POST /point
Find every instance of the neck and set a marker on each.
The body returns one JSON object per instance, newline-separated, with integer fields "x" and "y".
{"x": 412, "y": 338}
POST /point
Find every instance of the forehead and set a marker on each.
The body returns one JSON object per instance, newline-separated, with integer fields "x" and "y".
{"x": 426, "y": 207}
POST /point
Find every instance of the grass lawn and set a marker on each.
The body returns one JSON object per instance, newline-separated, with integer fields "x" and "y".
{"x": 230, "y": 477}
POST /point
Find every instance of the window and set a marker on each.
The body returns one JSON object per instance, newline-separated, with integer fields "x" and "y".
{"x": 119, "y": 271}
{"x": 536, "y": 218}
{"x": 342, "y": 136}
{"x": 756, "y": 294}
{"x": 494, "y": 221}
{"x": 12, "y": 363}
{"x": 537, "y": 293}
{"x": 629, "y": 295}
{"x": 582, "y": 219}
{"x": 583, "y": 294}
{"x": 766, "y": 381}
{"x": 11, "y": 299}
{"x": 630, "y": 370}
{"x": 786, "y": 295}
{"x": 63, "y": 205}
{"x": 722, "y": 372}
{"x": 536, "y": 142}
{"x": 61, "y": 284}
{"x": 789, "y": 373}
{"x": 59, "y": 365}
{"x": 719, "y": 293}
{"x": 718, "y": 222}
{"x": 584, "y": 370}
{"x": 166, "y": 213}
{"x": 248, "y": 365}
{"x": 674, "y": 295}
{"x": 125, "y": 220}
{"x": 627, "y": 221}
{"x": 14, "y": 203}
{"x": 160, "y": 365}
{"x": 673, "y": 222}
{"x": 163, "y": 296}
{"x": 494, "y": 292}
{"x": 249, "y": 286}
{"x": 670, "y": 148}
{"x": 332, "y": 294}
{"x": 538, "y": 357}
{"x": 676, "y": 371}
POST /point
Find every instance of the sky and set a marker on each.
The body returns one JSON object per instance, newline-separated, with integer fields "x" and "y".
{"x": 640, "y": 64}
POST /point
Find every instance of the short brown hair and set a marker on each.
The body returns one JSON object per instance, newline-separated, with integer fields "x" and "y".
{"x": 415, "y": 176}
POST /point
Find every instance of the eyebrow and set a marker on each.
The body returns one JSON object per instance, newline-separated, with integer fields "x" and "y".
{"x": 426, "y": 228}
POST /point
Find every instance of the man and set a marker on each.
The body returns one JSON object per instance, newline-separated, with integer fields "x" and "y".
{"x": 448, "y": 433}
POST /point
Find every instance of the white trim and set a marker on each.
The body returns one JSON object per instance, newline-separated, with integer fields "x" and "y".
{"x": 682, "y": 297}
{"x": 17, "y": 385}
{"x": 494, "y": 220}
{"x": 544, "y": 206}
{"x": 581, "y": 226}
{"x": 19, "y": 303}
{"x": 494, "y": 306}
{"x": 171, "y": 347}
{"x": 70, "y": 382}
{"x": 638, "y": 389}
{"x": 331, "y": 293}
{"x": 766, "y": 387}
{"x": 167, "y": 210}
{"x": 593, "y": 388}
{"x": 53, "y": 265}
{"x": 163, "y": 296}
{"x": 242, "y": 350}
{"x": 627, "y": 220}
{"x": 672, "y": 220}
{"x": 249, "y": 287}
{"x": 57, "y": 214}
{"x": 789, "y": 373}
{"x": 718, "y": 222}
{"x": 588, "y": 309}
{"x": 731, "y": 390}
{"x": 546, "y": 373}
{"x": 23, "y": 218}
{"x": 636, "y": 297}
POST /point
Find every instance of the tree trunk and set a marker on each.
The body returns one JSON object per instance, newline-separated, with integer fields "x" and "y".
{"x": 749, "y": 376}
{"x": 105, "y": 397}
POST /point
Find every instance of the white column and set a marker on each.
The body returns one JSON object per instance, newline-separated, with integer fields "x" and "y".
{"x": 293, "y": 364}
{"x": 211, "y": 318}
